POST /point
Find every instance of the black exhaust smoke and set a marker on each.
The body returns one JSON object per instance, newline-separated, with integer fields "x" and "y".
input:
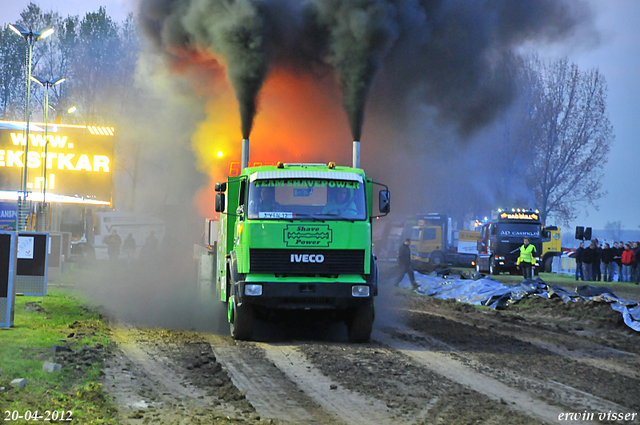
{"x": 235, "y": 30}
{"x": 359, "y": 34}
{"x": 449, "y": 57}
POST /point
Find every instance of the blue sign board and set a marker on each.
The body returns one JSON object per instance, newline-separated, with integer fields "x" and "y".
{"x": 8, "y": 215}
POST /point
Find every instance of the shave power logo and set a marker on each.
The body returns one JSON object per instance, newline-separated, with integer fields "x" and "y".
{"x": 315, "y": 235}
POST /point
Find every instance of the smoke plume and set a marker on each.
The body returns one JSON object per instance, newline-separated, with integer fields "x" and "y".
{"x": 358, "y": 35}
{"x": 234, "y": 30}
{"x": 431, "y": 73}
{"x": 456, "y": 57}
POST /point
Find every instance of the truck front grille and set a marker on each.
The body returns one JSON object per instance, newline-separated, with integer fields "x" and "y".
{"x": 294, "y": 262}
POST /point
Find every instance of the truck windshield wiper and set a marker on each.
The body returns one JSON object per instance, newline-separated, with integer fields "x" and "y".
{"x": 337, "y": 217}
{"x": 313, "y": 217}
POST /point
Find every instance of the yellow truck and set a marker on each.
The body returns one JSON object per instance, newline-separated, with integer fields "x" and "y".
{"x": 551, "y": 247}
{"x": 433, "y": 241}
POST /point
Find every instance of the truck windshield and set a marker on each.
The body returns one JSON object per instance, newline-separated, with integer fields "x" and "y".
{"x": 306, "y": 199}
{"x": 519, "y": 230}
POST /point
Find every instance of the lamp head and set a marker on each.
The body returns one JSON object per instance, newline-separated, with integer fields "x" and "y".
{"x": 44, "y": 33}
{"x": 38, "y": 80}
{"x": 29, "y": 35}
{"x": 47, "y": 83}
{"x": 19, "y": 30}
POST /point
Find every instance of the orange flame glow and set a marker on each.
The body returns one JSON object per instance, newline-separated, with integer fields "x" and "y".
{"x": 300, "y": 119}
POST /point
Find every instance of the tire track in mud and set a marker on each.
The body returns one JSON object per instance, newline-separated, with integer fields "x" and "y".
{"x": 266, "y": 387}
{"x": 429, "y": 356}
{"x": 590, "y": 353}
{"x": 351, "y": 407}
{"x": 413, "y": 393}
{"x": 146, "y": 383}
{"x": 529, "y": 367}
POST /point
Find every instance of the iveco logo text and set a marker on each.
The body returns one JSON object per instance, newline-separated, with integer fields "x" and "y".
{"x": 307, "y": 258}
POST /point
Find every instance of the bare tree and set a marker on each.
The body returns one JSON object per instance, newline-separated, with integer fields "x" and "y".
{"x": 614, "y": 229}
{"x": 571, "y": 136}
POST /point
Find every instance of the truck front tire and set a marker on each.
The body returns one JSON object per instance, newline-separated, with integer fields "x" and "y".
{"x": 360, "y": 324}
{"x": 548, "y": 264}
{"x": 240, "y": 320}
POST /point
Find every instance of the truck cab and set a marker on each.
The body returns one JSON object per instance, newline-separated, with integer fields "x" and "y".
{"x": 298, "y": 237}
{"x": 433, "y": 241}
{"x": 500, "y": 240}
{"x": 426, "y": 240}
{"x": 551, "y": 247}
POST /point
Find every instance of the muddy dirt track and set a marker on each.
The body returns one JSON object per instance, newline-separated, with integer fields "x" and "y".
{"x": 429, "y": 362}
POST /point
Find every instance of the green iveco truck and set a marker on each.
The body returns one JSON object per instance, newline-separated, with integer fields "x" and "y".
{"x": 298, "y": 237}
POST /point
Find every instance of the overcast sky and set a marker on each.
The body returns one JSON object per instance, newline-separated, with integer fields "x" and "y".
{"x": 617, "y": 56}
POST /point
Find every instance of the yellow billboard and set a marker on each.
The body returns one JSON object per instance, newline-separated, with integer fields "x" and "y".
{"x": 69, "y": 160}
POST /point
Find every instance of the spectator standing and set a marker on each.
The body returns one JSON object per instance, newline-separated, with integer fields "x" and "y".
{"x": 607, "y": 263}
{"x": 614, "y": 264}
{"x": 578, "y": 257}
{"x": 618, "y": 259}
{"x": 636, "y": 254}
{"x": 628, "y": 259}
{"x": 129, "y": 247}
{"x": 595, "y": 266}
{"x": 404, "y": 264}
{"x": 588, "y": 257}
{"x": 150, "y": 246}
{"x": 113, "y": 242}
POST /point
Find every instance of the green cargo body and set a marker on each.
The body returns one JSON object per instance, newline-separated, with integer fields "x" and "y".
{"x": 297, "y": 237}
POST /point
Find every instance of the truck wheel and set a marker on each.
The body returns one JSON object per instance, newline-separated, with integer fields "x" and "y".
{"x": 478, "y": 266}
{"x": 436, "y": 258}
{"x": 548, "y": 264}
{"x": 240, "y": 320}
{"x": 360, "y": 323}
{"x": 493, "y": 267}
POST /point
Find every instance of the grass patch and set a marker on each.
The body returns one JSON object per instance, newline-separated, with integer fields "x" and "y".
{"x": 59, "y": 319}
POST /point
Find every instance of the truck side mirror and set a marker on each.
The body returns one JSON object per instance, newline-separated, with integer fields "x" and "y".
{"x": 221, "y": 187}
{"x": 384, "y": 201}
{"x": 219, "y": 202}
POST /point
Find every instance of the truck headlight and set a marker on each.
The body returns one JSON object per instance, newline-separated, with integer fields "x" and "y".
{"x": 253, "y": 290}
{"x": 360, "y": 290}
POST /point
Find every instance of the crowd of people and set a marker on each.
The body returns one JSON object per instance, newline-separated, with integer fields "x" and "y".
{"x": 113, "y": 242}
{"x": 620, "y": 262}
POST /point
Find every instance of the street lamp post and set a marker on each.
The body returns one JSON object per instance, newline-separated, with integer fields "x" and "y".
{"x": 47, "y": 84}
{"x": 30, "y": 37}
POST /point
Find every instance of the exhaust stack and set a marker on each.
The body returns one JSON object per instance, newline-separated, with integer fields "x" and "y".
{"x": 244, "y": 159}
{"x": 356, "y": 154}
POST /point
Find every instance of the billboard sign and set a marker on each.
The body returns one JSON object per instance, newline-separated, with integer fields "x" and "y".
{"x": 78, "y": 159}
{"x": 8, "y": 215}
